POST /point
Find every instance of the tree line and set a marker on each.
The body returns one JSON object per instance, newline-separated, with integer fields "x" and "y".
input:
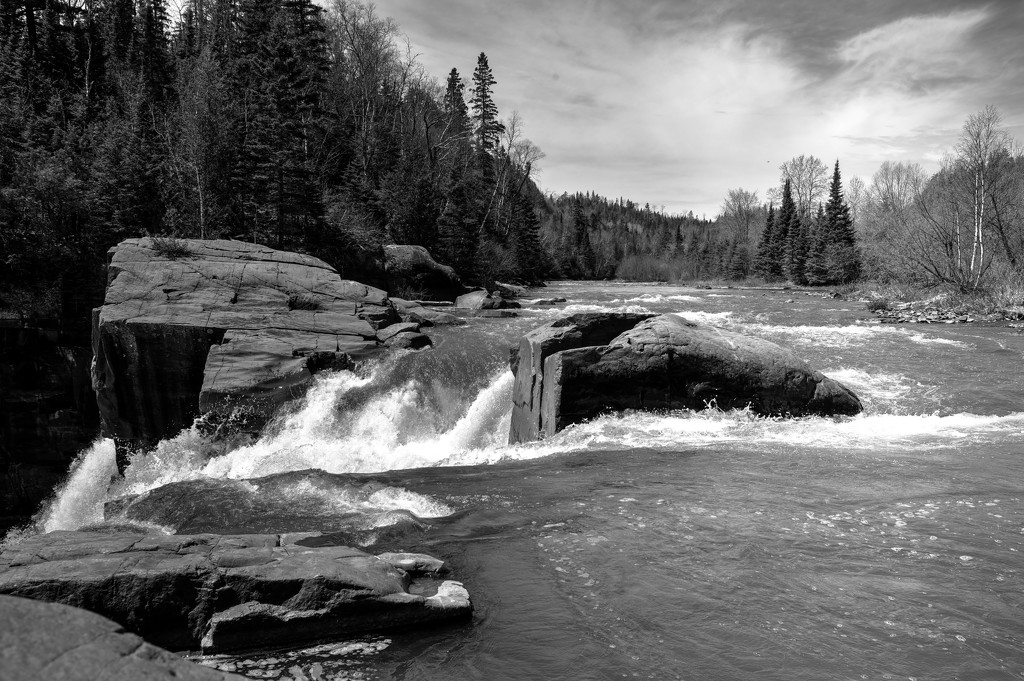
{"x": 961, "y": 227}
{"x": 273, "y": 121}
{"x": 314, "y": 129}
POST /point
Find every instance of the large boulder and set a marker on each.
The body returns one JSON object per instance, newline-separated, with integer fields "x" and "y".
{"x": 413, "y": 273}
{"x": 566, "y": 376}
{"x": 273, "y": 319}
{"x": 52, "y": 641}
{"x": 230, "y": 592}
{"x": 527, "y": 362}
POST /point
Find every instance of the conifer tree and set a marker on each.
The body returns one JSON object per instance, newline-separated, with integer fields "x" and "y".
{"x": 793, "y": 238}
{"x": 485, "y": 111}
{"x": 817, "y": 267}
{"x": 766, "y": 264}
{"x": 842, "y": 258}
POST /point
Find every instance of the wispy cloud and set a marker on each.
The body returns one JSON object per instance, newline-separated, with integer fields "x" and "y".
{"x": 674, "y": 102}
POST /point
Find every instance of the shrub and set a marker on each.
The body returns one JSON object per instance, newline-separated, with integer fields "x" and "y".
{"x": 171, "y": 248}
{"x": 876, "y": 304}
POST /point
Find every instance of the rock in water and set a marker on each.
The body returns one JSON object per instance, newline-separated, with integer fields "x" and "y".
{"x": 52, "y": 641}
{"x": 527, "y": 362}
{"x": 566, "y": 374}
{"x": 482, "y": 300}
{"x": 413, "y": 273}
{"x": 230, "y": 592}
{"x": 273, "y": 319}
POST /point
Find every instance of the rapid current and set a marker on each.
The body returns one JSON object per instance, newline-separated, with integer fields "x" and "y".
{"x": 703, "y": 546}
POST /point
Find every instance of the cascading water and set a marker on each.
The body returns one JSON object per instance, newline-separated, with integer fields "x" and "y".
{"x": 711, "y": 545}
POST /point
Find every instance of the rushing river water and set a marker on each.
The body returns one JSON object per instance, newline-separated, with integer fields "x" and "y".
{"x": 697, "y": 546}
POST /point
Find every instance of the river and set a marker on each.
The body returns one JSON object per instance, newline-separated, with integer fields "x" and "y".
{"x": 703, "y": 546}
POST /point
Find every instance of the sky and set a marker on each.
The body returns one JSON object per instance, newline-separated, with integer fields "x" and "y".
{"x": 675, "y": 102}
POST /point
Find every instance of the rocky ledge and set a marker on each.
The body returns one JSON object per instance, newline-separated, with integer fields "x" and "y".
{"x": 581, "y": 366}
{"x": 226, "y": 329}
{"x": 52, "y": 641}
{"x": 231, "y": 592}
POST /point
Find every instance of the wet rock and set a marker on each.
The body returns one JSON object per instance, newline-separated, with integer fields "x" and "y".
{"x": 509, "y": 290}
{"x": 225, "y": 592}
{"x": 411, "y": 311}
{"x": 383, "y": 335}
{"x": 536, "y": 302}
{"x": 264, "y": 312}
{"x": 413, "y": 273}
{"x": 52, "y": 641}
{"x": 663, "y": 362}
{"x": 408, "y": 340}
{"x": 482, "y": 300}
{"x": 527, "y": 361}
{"x": 905, "y": 313}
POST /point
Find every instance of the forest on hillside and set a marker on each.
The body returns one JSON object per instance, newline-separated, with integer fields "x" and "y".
{"x": 314, "y": 129}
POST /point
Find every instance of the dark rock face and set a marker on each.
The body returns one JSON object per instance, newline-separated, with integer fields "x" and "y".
{"x": 52, "y": 641}
{"x": 413, "y": 273}
{"x": 273, "y": 319}
{"x": 230, "y": 592}
{"x": 565, "y": 376}
{"x": 47, "y": 413}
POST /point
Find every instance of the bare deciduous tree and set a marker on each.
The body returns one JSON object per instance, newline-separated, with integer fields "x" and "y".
{"x": 741, "y": 211}
{"x": 808, "y": 179}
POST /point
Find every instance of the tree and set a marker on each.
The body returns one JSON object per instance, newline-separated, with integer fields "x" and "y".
{"x": 767, "y": 263}
{"x": 888, "y": 217}
{"x": 740, "y": 211}
{"x": 960, "y": 205}
{"x": 485, "y": 111}
{"x": 834, "y": 254}
{"x": 808, "y": 178}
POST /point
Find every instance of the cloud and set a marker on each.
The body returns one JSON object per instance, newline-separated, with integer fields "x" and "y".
{"x": 917, "y": 55}
{"x": 674, "y": 102}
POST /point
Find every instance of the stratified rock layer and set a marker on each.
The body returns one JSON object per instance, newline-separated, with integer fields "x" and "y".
{"x": 53, "y": 641}
{"x": 230, "y": 592}
{"x": 273, "y": 318}
{"x": 571, "y": 370}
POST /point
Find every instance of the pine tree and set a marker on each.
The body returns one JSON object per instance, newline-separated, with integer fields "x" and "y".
{"x": 791, "y": 249}
{"x": 817, "y": 267}
{"x": 765, "y": 264}
{"x": 526, "y": 240}
{"x": 455, "y": 97}
{"x": 485, "y": 111}
{"x": 842, "y": 258}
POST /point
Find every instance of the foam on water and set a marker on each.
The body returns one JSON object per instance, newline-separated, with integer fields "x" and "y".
{"x": 577, "y": 308}
{"x": 660, "y": 298}
{"x": 845, "y": 336}
{"x": 883, "y": 392}
{"x": 685, "y": 430}
{"x": 392, "y": 431}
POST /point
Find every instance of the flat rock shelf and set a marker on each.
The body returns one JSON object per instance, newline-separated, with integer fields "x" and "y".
{"x": 231, "y": 592}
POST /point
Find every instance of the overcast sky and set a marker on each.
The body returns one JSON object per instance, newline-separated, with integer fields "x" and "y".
{"x": 674, "y": 102}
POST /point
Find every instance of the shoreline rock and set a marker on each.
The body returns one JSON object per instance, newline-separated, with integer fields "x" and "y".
{"x": 231, "y": 592}
{"x": 53, "y": 641}
{"x": 413, "y": 273}
{"x": 222, "y": 329}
